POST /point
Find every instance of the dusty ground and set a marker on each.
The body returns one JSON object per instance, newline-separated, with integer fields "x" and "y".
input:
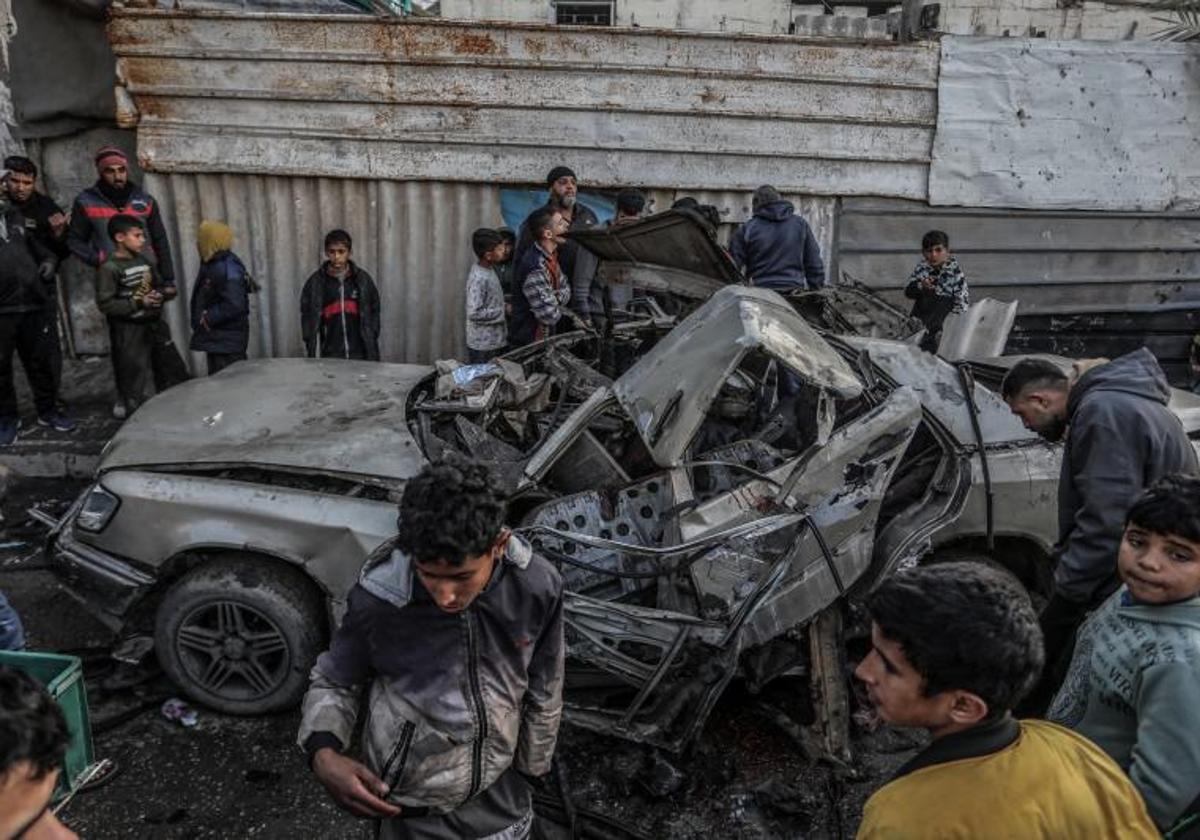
{"x": 238, "y": 777}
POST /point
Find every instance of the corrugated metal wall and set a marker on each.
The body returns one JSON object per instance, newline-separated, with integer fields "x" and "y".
{"x": 414, "y": 238}
{"x": 361, "y": 97}
{"x": 1049, "y": 261}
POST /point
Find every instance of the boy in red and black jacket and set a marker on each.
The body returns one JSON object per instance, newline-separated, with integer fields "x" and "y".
{"x": 339, "y": 306}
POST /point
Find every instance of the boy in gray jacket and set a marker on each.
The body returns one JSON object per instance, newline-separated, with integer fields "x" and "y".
{"x": 1134, "y": 683}
{"x": 455, "y": 632}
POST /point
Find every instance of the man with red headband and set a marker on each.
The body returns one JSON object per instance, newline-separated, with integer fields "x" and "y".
{"x": 114, "y": 194}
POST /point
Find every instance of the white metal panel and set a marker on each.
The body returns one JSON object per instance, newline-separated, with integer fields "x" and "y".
{"x": 1031, "y": 123}
{"x": 502, "y": 103}
{"x": 414, "y": 239}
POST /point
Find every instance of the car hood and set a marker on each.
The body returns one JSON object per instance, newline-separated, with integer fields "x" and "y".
{"x": 667, "y": 252}
{"x": 669, "y": 391}
{"x": 308, "y": 415}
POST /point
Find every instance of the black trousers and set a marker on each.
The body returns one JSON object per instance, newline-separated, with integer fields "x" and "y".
{"x": 53, "y": 340}
{"x": 141, "y": 351}
{"x": 23, "y": 333}
{"x": 219, "y": 361}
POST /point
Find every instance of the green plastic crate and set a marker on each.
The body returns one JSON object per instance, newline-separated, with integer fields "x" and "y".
{"x": 63, "y": 678}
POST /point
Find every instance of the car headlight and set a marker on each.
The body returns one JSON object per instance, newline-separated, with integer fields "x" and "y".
{"x": 98, "y": 508}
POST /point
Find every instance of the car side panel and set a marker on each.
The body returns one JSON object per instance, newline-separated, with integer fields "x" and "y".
{"x": 162, "y": 515}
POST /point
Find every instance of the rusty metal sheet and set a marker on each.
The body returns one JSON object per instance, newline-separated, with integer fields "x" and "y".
{"x": 345, "y": 96}
{"x": 1039, "y": 124}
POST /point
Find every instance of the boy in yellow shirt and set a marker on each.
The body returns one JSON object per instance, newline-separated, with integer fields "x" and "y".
{"x": 954, "y": 647}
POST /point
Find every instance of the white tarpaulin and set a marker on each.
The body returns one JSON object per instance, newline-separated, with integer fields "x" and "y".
{"x": 1067, "y": 125}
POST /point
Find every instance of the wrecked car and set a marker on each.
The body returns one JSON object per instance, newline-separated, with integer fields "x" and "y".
{"x": 708, "y": 486}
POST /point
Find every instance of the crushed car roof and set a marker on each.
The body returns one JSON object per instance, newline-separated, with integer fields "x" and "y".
{"x": 312, "y": 415}
{"x": 668, "y": 391}
{"x": 673, "y": 248}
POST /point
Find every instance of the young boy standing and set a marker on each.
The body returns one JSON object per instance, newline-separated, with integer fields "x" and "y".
{"x": 1134, "y": 682}
{"x": 339, "y": 306}
{"x": 130, "y": 293}
{"x": 937, "y": 287}
{"x": 455, "y": 632}
{"x": 954, "y": 647}
{"x": 487, "y": 333}
{"x": 220, "y": 299}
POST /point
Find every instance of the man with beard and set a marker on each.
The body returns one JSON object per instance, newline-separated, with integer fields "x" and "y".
{"x": 1122, "y": 439}
{"x": 578, "y": 264}
{"x": 115, "y": 195}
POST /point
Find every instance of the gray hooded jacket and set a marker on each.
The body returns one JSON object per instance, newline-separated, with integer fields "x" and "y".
{"x": 454, "y": 699}
{"x": 1122, "y": 438}
{"x": 1134, "y": 690}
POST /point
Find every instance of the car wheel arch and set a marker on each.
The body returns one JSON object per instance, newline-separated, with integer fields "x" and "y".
{"x": 142, "y": 615}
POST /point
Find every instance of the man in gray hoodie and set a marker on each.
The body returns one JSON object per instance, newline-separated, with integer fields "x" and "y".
{"x": 1120, "y": 439}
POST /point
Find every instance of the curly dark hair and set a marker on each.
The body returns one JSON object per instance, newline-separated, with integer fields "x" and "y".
{"x": 32, "y": 726}
{"x": 452, "y": 510}
{"x": 1171, "y": 506}
{"x": 963, "y": 626}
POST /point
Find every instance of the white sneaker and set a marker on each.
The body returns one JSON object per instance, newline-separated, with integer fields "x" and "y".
{"x": 119, "y": 410}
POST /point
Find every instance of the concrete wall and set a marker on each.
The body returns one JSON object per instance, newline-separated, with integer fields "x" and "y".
{"x": 1047, "y": 18}
{"x": 763, "y": 16}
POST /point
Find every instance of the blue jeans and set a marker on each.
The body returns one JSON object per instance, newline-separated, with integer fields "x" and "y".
{"x": 12, "y": 634}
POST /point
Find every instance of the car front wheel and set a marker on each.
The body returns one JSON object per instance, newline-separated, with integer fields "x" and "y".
{"x": 240, "y": 635}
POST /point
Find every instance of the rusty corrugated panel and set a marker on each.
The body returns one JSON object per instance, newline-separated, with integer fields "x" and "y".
{"x": 414, "y": 238}
{"x": 502, "y": 103}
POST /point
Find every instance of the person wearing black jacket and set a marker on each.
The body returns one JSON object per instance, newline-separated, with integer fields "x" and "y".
{"x": 339, "y": 306}
{"x": 25, "y": 269}
{"x": 47, "y": 223}
{"x": 220, "y": 299}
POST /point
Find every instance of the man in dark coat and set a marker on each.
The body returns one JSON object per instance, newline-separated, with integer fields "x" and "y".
{"x": 47, "y": 224}
{"x": 776, "y": 248}
{"x": 1120, "y": 439}
{"x": 112, "y": 195}
{"x": 339, "y": 306}
{"x": 220, "y": 299}
{"x": 576, "y": 263}
{"x": 25, "y": 271}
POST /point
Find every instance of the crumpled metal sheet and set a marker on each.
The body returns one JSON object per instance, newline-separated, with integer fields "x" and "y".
{"x": 669, "y": 391}
{"x": 1085, "y": 125}
{"x": 980, "y": 331}
{"x": 314, "y": 415}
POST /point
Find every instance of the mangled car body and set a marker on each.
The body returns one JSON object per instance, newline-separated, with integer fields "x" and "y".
{"x": 706, "y": 486}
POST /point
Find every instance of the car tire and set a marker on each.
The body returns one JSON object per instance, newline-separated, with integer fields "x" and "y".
{"x": 240, "y": 635}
